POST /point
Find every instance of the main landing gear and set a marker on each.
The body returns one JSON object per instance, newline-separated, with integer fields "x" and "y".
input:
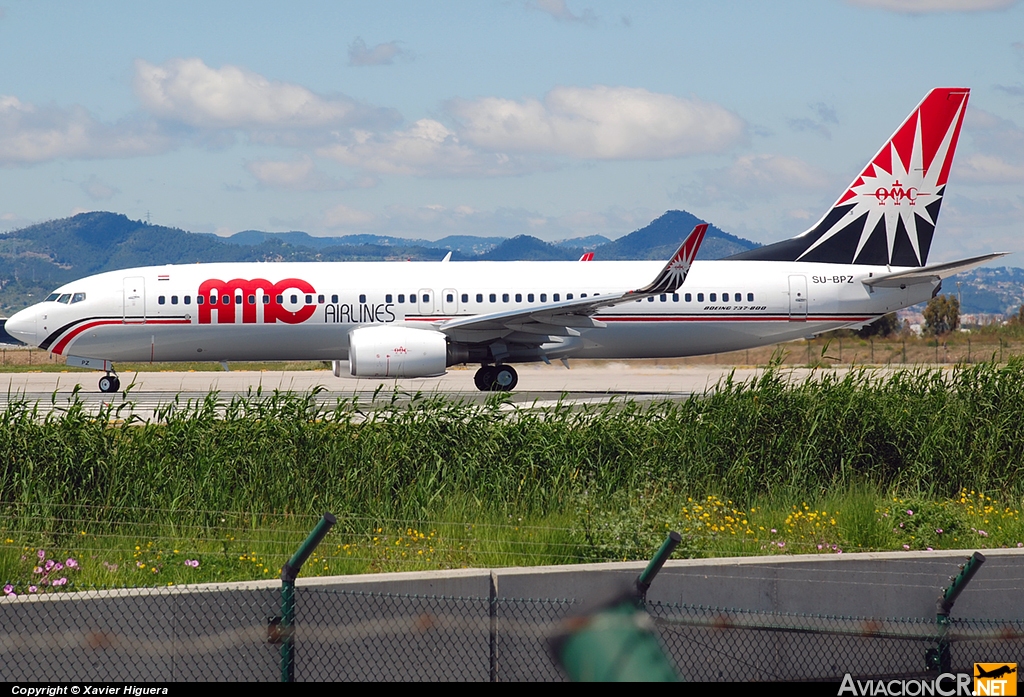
{"x": 496, "y": 378}
{"x": 109, "y": 383}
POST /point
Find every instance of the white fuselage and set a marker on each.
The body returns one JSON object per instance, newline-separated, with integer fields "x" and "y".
{"x": 305, "y": 311}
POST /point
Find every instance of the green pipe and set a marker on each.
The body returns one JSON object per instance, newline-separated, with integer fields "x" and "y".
{"x": 644, "y": 580}
{"x": 289, "y": 572}
{"x": 939, "y": 657}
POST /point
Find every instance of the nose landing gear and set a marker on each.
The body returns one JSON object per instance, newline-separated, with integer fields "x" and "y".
{"x": 496, "y": 378}
{"x": 109, "y": 383}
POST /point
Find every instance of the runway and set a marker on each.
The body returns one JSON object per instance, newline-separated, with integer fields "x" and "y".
{"x": 539, "y": 385}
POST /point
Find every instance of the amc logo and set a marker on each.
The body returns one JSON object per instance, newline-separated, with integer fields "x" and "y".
{"x": 897, "y": 194}
{"x": 283, "y": 301}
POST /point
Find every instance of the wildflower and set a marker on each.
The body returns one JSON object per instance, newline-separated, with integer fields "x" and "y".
{"x": 781, "y": 544}
{"x": 929, "y": 549}
{"x": 41, "y": 554}
{"x": 983, "y": 533}
{"x": 8, "y": 589}
{"x": 774, "y": 530}
{"x": 194, "y": 563}
{"x": 71, "y": 563}
{"x": 910, "y": 512}
{"x": 49, "y": 565}
{"x": 59, "y": 582}
{"x": 37, "y": 570}
{"x": 938, "y": 531}
{"x": 906, "y": 546}
{"x": 32, "y": 589}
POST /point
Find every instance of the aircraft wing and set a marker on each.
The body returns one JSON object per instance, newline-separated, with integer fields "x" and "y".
{"x": 566, "y": 318}
{"x": 928, "y": 274}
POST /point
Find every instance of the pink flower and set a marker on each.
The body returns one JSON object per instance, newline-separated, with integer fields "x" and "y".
{"x": 1020, "y": 544}
{"x": 49, "y": 565}
{"x": 8, "y": 589}
{"x": 194, "y": 563}
{"x": 983, "y": 533}
{"x": 71, "y": 563}
{"x": 781, "y": 544}
{"x": 32, "y": 589}
{"x": 938, "y": 531}
{"x": 774, "y": 530}
{"x": 906, "y": 546}
{"x": 910, "y": 512}
{"x": 59, "y": 582}
{"x": 37, "y": 570}
{"x": 929, "y": 549}
{"x": 41, "y": 554}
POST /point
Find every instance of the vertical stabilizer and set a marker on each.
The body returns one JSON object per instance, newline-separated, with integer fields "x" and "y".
{"x": 887, "y": 216}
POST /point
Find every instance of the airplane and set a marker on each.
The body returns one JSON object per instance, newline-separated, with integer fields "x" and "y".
{"x": 866, "y": 256}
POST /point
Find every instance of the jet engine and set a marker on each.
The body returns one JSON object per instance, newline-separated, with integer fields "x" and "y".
{"x": 397, "y": 352}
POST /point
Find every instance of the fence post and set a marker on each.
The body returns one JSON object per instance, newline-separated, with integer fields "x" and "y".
{"x": 289, "y": 572}
{"x": 493, "y": 610}
{"x": 646, "y": 577}
{"x": 939, "y": 658}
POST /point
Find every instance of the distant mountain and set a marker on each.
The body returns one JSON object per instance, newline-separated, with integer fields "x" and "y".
{"x": 589, "y": 243}
{"x": 661, "y": 237}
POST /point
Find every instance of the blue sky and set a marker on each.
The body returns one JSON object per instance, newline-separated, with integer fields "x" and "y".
{"x": 556, "y": 118}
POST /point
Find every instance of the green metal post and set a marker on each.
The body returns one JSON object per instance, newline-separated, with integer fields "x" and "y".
{"x": 289, "y": 572}
{"x": 644, "y": 580}
{"x": 939, "y": 657}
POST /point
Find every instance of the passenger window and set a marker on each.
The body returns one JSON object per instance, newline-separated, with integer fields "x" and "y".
{"x": 504, "y": 297}
{"x": 700, "y": 297}
{"x": 664, "y": 298}
{"x": 188, "y": 299}
{"x": 200, "y": 300}
{"x": 568, "y": 296}
{"x": 583, "y": 295}
{"x": 688, "y": 297}
{"x": 479, "y": 297}
{"x": 650, "y": 299}
{"x": 750, "y": 297}
{"x": 412, "y": 299}
{"x": 493, "y": 298}
{"x": 251, "y": 299}
{"x": 66, "y": 298}
{"x": 519, "y": 297}
{"x": 320, "y": 299}
{"x": 266, "y": 299}
{"x": 77, "y": 298}
{"x": 174, "y": 300}
{"x": 401, "y": 298}
{"x": 553, "y": 297}
{"x": 465, "y": 297}
{"x": 334, "y": 298}
{"x": 362, "y": 298}
{"x": 544, "y": 297}
{"x": 225, "y": 300}
{"x": 280, "y": 300}
{"x": 387, "y": 298}
{"x": 160, "y": 300}
{"x": 295, "y": 299}
{"x": 675, "y": 297}
{"x": 426, "y": 298}
{"x": 451, "y": 297}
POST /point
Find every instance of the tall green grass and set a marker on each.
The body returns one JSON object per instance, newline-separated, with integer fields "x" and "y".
{"x": 583, "y": 478}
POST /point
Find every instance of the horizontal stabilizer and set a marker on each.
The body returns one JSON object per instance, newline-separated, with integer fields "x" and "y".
{"x": 928, "y": 274}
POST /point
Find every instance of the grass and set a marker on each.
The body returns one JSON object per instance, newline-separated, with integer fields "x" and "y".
{"x": 828, "y": 465}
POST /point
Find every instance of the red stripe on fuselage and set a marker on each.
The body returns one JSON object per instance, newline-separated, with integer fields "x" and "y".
{"x": 62, "y": 344}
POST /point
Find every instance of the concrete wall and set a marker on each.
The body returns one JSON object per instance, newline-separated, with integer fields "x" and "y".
{"x": 220, "y": 632}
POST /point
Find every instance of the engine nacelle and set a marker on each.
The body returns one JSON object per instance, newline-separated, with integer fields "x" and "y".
{"x": 396, "y": 352}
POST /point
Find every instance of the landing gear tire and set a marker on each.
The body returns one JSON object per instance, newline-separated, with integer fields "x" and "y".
{"x": 109, "y": 383}
{"x": 505, "y": 378}
{"x": 495, "y": 378}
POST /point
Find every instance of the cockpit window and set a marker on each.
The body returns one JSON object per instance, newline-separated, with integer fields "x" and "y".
{"x": 77, "y": 298}
{"x": 66, "y": 298}
{"x": 52, "y": 297}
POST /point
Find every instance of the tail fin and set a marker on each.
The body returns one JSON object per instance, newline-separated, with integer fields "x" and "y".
{"x": 887, "y": 215}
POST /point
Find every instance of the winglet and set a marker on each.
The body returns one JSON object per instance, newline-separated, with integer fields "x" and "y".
{"x": 587, "y": 256}
{"x": 674, "y": 273}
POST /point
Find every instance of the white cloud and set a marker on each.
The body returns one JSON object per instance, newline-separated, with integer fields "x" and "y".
{"x": 31, "y": 134}
{"x": 999, "y": 145}
{"x": 929, "y": 6}
{"x": 187, "y": 90}
{"x": 97, "y": 190}
{"x": 760, "y": 176}
{"x": 382, "y": 54}
{"x": 301, "y": 175}
{"x": 599, "y": 123}
{"x": 560, "y": 11}
{"x": 427, "y": 148}
{"x": 341, "y": 216}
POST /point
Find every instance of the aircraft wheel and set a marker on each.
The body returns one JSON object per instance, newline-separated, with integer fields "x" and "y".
{"x": 109, "y": 383}
{"x": 505, "y": 378}
{"x": 484, "y": 378}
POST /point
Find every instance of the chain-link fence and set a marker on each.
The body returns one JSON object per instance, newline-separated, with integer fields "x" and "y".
{"x": 230, "y": 633}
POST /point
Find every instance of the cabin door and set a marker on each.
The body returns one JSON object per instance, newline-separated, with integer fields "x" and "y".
{"x": 135, "y": 299}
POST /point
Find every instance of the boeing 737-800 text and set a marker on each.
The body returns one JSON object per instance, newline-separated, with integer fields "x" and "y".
{"x": 868, "y": 255}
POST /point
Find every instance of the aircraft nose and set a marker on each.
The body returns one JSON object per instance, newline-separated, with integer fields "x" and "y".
{"x": 22, "y": 326}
